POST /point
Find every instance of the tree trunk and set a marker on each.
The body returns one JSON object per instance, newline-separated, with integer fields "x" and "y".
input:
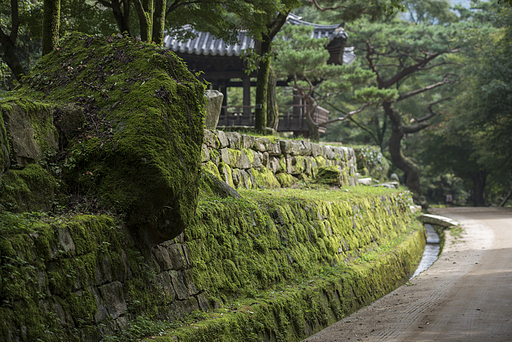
{"x": 265, "y": 49}
{"x": 314, "y": 134}
{"x": 10, "y": 57}
{"x": 122, "y": 16}
{"x": 272, "y": 107}
{"x": 145, "y": 13}
{"x": 479, "y": 180}
{"x": 411, "y": 170}
{"x": 159, "y": 22}
{"x": 9, "y": 42}
{"x": 51, "y": 20}
{"x": 260, "y": 113}
{"x": 502, "y": 204}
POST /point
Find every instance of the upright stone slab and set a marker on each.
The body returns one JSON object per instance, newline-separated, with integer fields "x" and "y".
{"x": 213, "y": 107}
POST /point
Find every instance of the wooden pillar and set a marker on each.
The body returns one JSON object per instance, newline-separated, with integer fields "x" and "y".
{"x": 247, "y": 96}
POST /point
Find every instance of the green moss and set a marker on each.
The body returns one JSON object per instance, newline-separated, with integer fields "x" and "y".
{"x": 335, "y": 292}
{"x": 4, "y": 148}
{"x": 249, "y": 153}
{"x": 282, "y": 164}
{"x": 240, "y": 158}
{"x": 35, "y": 116}
{"x": 285, "y": 179}
{"x": 265, "y": 178}
{"x": 345, "y": 177}
{"x": 46, "y": 285}
{"x": 29, "y": 189}
{"x": 212, "y": 168}
{"x": 300, "y": 165}
{"x": 226, "y": 174}
{"x": 321, "y": 161}
{"x": 329, "y": 175}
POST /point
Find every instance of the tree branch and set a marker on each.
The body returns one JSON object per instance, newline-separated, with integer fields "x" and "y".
{"x": 105, "y": 3}
{"x": 277, "y": 24}
{"x": 421, "y": 124}
{"x": 369, "y": 52}
{"x": 369, "y": 131}
{"x": 315, "y": 2}
{"x": 419, "y": 91}
{"x": 439, "y": 64}
{"x": 15, "y": 21}
{"x": 347, "y": 115}
{"x": 413, "y": 68}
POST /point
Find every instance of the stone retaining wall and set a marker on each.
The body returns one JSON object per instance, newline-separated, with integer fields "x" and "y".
{"x": 245, "y": 161}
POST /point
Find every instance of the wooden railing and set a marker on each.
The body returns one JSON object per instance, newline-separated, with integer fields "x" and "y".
{"x": 292, "y": 119}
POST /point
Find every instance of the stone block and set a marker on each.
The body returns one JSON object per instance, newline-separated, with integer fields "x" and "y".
{"x": 224, "y": 156}
{"x": 205, "y": 153}
{"x": 162, "y": 258}
{"x": 305, "y": 150}
{"x": 316, "y": 150}
{"x": 329, "y": 153}
{"x": 236, "y": 177}
{"x": 247, "y": 141}
{"x": 290, "y": 147}
{"x": 164, "y": 282}
{"x": 223, "y": 140}
{"x": 213, "y": 107}
{"x": 238, "y": 159}
{"x": 235, "y": 139}
{"x": 210, "y": 139}
{"x": 262, "y": 144}
{"x": 178, "y": 282}
{"x": 265, "y": 160}
{"x": 66, "y": 241}
{"x": 23, "y": 138}
{"x": 309, "y": 165}
{"x": 257, "y": 159}
{"x": 113, "y": 297}
{"x": 104, "y": 270}
{"x": 192, "y": 289}
{"x": 245, "y": 180}
{"x": 274, "y": 149}
{"x": 298, "y": 165}
{"x": 177, "y": 257}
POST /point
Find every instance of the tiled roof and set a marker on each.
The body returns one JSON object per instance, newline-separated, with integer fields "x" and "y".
{"x": 206, "y": 44}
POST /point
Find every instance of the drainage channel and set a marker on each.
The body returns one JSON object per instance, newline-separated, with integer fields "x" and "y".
{"x": 431, "y": 252}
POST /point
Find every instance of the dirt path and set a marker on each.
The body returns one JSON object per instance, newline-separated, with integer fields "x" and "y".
{"x": 466, "y": 295}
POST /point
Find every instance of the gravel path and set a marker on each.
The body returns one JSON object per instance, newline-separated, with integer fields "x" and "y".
{"x": 466, "y": 295}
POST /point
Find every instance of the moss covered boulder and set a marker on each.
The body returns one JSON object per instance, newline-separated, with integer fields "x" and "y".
{"x": 329, "y": 175}
{"x": 139, "y": 113}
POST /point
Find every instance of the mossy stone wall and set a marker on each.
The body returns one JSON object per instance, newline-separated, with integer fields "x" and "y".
{"x": 82, "y": 277}
{"x": 248, "y": 162}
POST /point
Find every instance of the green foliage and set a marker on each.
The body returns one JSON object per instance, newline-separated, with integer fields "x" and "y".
{"x": 371, "y": 162}
{"x": 304, "y": 59}
{"x": 140, "y": 327}
{"x": 430, "y": 11}
{"x": 472, "y": 141}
